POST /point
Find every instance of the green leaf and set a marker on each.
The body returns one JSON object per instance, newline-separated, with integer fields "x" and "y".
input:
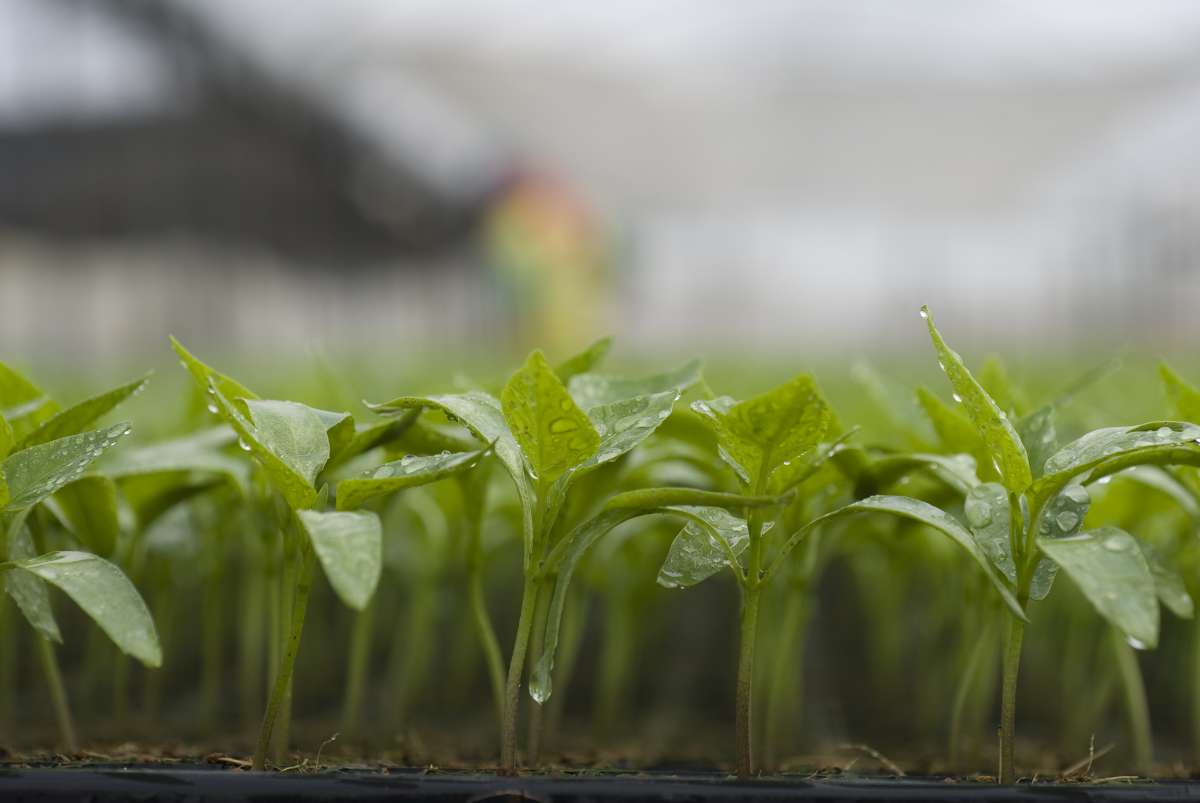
{"x": 80, "y": 416}
{"x": 624, "y": 424}
{"x": 897, "y": 402}
{"x": 555, "y": 435}
{"x": 406, "y": 472}
{"x": 955, "y": 431}
{"x": 370, "y": 436}
{"x": 34, "y": 473}
{"x": 1108, "y": 567}
{"x": 201, "y": 452}
{"x": 23, "y": 403}
{"x": 206, "y": 377}
{"x": 349, "y": 546}
{"x": 1168, "y": 585}
{"x": 759, "y": 435}
{"x": 339, "y": 429}
{"x": 585, "y": 360}
{"x": 1040, "y": 436}
{"x": 7, "y": 439}
{"x": 1182, "y": 394}
{"x": 994, "y": 379}
{"x": 105, "y": 594}
{"x": 592, "y": 390}
{"x": 992, "y": 424}
{"x": 89, "y": 506}
{"x": 1063, "y": 518}
{"x": 701, "y": 550}
{"x": 990, "y": 519}
{"x": 30, "y": 593}
{"x": 793, "y": 472}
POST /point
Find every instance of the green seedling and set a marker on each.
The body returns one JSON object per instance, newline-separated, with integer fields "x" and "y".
{"x": 46, "y": 452}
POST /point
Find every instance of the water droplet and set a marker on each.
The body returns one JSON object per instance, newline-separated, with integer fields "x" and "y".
{"x": 924, "y": 314}
{"x": 1077, "y": 494}
{"x": 941, "y": 365}
{"x": 1163, "y": 432}
{"x": 1067, "y": 520}
{"x": 212, "y": 408}
{"x": 956, "y": 397}
{"x": 1116, "y": 543}
{"x": 979, "y": 512}
{"x": 540, "y": 685}
{"x": 560, "y": 425}
{"x": 1137, "y": 644}
{"x": 245, "y": 447}
{"x": 565, "y": 405}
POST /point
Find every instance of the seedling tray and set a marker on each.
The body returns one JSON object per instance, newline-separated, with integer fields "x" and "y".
{"x": 124, "y": 783}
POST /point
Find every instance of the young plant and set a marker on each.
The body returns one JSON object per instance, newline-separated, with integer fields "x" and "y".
{"x": 46, "y": 452}
{"x": 1028, "y": 523}
{"x": 295, "y": 445}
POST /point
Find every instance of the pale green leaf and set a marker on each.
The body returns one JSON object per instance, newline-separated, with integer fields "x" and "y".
{"x": 585, "y": 360}
{"x": 89, "y": 505}
{"x": 1108, "y": 567}
{"x": 79, "y": 417}
{"x": 349, "y": 547}
{"x": 6, "y": 440}
{"x": 30, "y": 593}
{"x": 407, "y": 472}
{"x": 295, "y": 433}
{"x": 555, "y": 435}
{"x": 206, "y": 377}
{"x": 591, "y": 390}
{"x": 1184, "y": 397}
{"x": 105, "y": 594}
{"x": 992, "y": 424}
{"x": 1062, "y": 518}
{"x": 701, "y": 550}
{"x": 897, "y": 402}
{"x": 990, "y": 518}
{"x": 1040, "y": 436}
{"x": 955, "y": 431}
{"x": 1168, "y": 585}
{"x": 201, "y": 452}
{"x": 34, "y": 473}
{"x": 23, "y": 403}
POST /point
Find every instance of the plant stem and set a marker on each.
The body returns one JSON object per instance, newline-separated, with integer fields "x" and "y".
{"x": 1136, "y": 707}
{"x": 537, "y": 710}
{"x": 786, "y": 669}
{"x": 409, "y": 660}
{"x": 213, "y": 662}
{"x": 1196, "y": 688}
{"x": 483, "y": 621}
{"x": 58, "y": 694}
{"x": 283, "y": 678}
{"x": 745, "y": 680}
{"x": 516, "y": 667}
{"x": 616, "y": 657}
{"x": 356, "y": 670}
{"x": 1008, "y": 699}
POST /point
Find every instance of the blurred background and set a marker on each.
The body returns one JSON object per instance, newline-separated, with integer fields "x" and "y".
{"x": 787, "y": 177}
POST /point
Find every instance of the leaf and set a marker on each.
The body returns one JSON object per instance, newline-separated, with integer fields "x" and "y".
{"x": 701, "y": 550}
{"x": 89, "y": 506}
{"x": 1168, "y": 585}
{"x": 105, "y": 594}
{"x": 1040, "y": 436}
{"x": 585, "y": 360}
{"x": 1108, "y": 567}
{"x": 990, "y": 519}
{"x": 1182, "y": 394}
{"x": 794, "y": 472}
{"x": 955, "y": 431}
{"x": 33, "y": 474}
{"x": 897, "y": 402}
{"x": 760, "y": 434}
{"x": 955, "y": 470}
{"x": 555, "y": 435}
{"x": 369, "y": 436}
{"x": 592, "y": 390}
{"x": 295, "y": 433}
{"x": 1062, "y": 518}
{"x": 7, "y": 439}
{"x": 993, "y": 378}
{"x": 30, "y": 593}
{"x": 992, "y": 424}
{"x": 205, "y": 376}
{"x": 349, "y": 546}
{"x": 1111, "y": 449}
{"x": 339, "y": 429}
{"x": 200, "y": 452}
{"x": 406, "y": 472}
{"x": 22, "y": 403}
{"x": 80, "y": 416}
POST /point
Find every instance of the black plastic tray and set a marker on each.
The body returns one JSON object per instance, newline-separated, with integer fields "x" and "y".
{"x": 98, "y": 785}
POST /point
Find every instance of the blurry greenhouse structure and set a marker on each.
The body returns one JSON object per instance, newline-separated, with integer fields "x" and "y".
{"x": 762, "y": 171}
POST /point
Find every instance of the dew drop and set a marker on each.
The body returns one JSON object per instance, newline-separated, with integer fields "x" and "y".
{"x": 560, "y": 425}
{"x": 1066, "y": 520}
{"x": 924, "y": 314}
{"x": 956, "y": 397}
{"x": 1137, "y": 644}
{"x": 1077, "y": 494}
{"x": 979, "y": 513}
{"x": 1116, "y": 543}
{"x": 212, "y": 408}
{"x": 245, "y": 447}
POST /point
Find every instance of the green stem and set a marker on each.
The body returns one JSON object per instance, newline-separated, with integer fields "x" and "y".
{"x": 409, "y": 661}
{"x": 251, "y": 633}
{"x": 493, "y": 657}
{"x": 537, "y": 710}
{"x": 1136, "y": 707}
{"x": 617, "y": 648}
{"x": 356, "y": 670}
{"x": 1008, "y": 698}
{"x": 516, "y": 667}
{"x": 574, "y": 620}
{"x": 283, "y": 678}
{"x": 786, "y": 669}
{"x": 745, "y": 682}
{"x": 58, "y": 694}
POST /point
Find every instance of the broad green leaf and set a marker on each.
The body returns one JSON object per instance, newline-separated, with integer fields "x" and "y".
{"x": 990, "y": 518}
{"x": 207, "y": 377}
{"x": 105, "y": 594}
{"x": 922, "y": 512}
{"x": 349, "y": 546}
{"x": 339, "y": 429}
{"x": 294, "y": 430}
{"x": 955, "y": 470}
{"x": 992, "y": 424}
{"x": 624, "y": 424}
{"x": 585, "y": 360}
{"x": 592, "y": 390}
{"x": 89, "y": 505}
{"x": 30, "y": 593}
{"x": 1062, "y": 518}
{"x": 6, "y": 439}
{"x": 758, "y": 435}
{"x": 701, "y": 550}
{"x": 555, "y": 435}
{"x": 1040, "y": 436}
{"x": 1108, "y": 567}
{"x": 1111, "y": 449}
{"x": 793, "y": 472}
{"x": 370, "y": 436}
{"x": 1169, "y": 585}
{"x": 23, "y": 403}
{"x": 79, "y": 417}
{"x": 406, "y": 472}
{"x": 1183, "y": 395}
{"x": 33, "y": 474}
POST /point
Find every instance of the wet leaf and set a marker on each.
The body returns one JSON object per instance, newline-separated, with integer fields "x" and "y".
{"x": 1062, "y": 518}
{"x": 1108, "y": 567}
{"x": 703, "y": 547}
{"x": 585, "y": 360}
{"x": 1168, "y": 585}
{"x": 89, "y": 505}
{"x": 1040, "y": 436}
{"x": 6, "y": 441}
{"x": 1184, "y": 397}
{"x": 592, "y": 390}
{"x": 407, "y": 472}
{"x": 205, "y": 376}
{"x": 22, "y": 403}
{"x": 30, "y": 593}
{"x": 79, "y": 417}
{"x": 33, "y": 474}
{"x": 349, "y": 547}
{"x": 990, "y": 518}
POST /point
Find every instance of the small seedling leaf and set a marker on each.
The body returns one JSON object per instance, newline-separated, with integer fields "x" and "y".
{"x": 89, "y": 506}
{"x": 592, "y": 390}
{"x": 349, "y": 547}
{"x": 1183, "y": 395}
{"x": 7, "y": 439}
{"x": 992, "y": 424}
{"x": 1108, "y": 567}
{"x": 30, "y": 593}
{"x": 23, "y": 403}
{"x": 205, "y": 376}
{"x": 80, "y": 416}
{"x": 1062, "y": 518}
{"x": 33, "y": 474}
{"x": 407, "y": 472}
{"x": 1040, "y": 436}
{"x": 295, "y": 433}
{"x": 700, "y": 550}
{"x": 1168, "y": 585}
{"x": 585, "y": 360}
{"x": 105, "y": 594}
{"x": 990, "y": 518}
